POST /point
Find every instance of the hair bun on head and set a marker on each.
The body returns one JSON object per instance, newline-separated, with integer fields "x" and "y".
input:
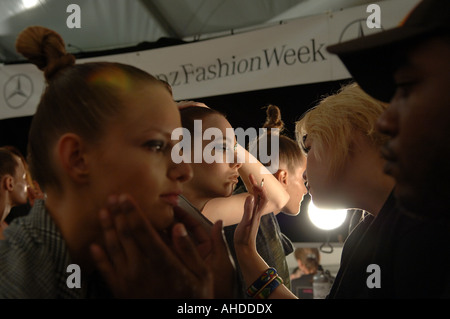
{"x": 273, "y": 118}
{"x": 45, "y": 48}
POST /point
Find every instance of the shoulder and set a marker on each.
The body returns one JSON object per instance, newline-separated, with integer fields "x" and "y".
{"x": 27, "y": 269}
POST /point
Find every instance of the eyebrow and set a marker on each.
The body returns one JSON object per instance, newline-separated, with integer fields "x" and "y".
{"x": 158, "y": 130}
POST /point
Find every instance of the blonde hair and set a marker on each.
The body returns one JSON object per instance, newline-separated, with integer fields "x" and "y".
{"x": 333, "y": 121}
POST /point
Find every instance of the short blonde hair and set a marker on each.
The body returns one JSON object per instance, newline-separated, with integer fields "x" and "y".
{"x": 331, "y": 123}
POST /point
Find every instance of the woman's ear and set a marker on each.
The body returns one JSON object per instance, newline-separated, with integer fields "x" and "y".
{"x": 8, "y": 182}
{"x": 71, "y": 152}
{"x": 282, "y": 176}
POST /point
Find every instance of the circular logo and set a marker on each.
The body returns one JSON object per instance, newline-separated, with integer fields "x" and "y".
{"x": 18, "y": 90}
{"x": 357, "y": 29}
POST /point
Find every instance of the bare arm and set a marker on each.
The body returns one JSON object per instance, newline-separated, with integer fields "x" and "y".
{"x": 250, "y": 262}
{"x": 230, "y": 209}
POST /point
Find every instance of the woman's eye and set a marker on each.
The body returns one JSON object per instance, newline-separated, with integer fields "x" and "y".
{"x": 155, "y": 145}
{"x": 306, "y": 149}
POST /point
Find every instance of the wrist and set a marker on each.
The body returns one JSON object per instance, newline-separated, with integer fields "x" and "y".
{"x": 250, "y": 263}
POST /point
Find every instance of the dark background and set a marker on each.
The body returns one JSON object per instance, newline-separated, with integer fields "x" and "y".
{"x": 242, "y": 110}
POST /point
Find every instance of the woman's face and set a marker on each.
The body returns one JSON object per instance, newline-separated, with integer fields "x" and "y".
{"x": 19, "y": 194}
{"x": 134, "y": 157}
{"x": 218, "y": 178}
{"x": 323, "y": 185}
{"x": 296, "y": 189}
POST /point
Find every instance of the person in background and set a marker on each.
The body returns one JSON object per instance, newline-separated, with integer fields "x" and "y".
{"x": 308, "y": 260}
{"x": 13, "y": 184}
{"x": 34, "y": 191}
{"x": 272, "y": 245}
{"x": 102, "y": 154}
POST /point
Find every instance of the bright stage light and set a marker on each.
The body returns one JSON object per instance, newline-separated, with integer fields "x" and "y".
{"x": 326, "y": 219}
{"x": 28, "y": 4}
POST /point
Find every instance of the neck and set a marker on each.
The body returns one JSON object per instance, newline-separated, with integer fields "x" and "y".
{"x": 369, "y": 186}
{"x": 5, "y": 203}
{"x": 373, "y": 200}
{"x": 76, "y": 219}
{"x": 308, "y": 272}
{"x": 197, "y": 200}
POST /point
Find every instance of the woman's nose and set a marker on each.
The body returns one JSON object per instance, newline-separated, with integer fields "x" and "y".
{"x": 181, "y": 172}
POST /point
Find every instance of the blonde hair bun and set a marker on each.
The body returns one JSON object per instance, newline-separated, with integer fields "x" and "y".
{"x": 44, "y": 48}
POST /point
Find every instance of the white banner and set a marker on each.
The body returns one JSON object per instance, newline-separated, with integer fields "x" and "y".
{"x": 292, "y": 53}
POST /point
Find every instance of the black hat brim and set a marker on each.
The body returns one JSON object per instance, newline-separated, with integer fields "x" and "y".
{"x": 371, "y": 60}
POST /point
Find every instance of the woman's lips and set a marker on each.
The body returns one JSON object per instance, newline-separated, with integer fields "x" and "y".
{"x": 171, "y": 198}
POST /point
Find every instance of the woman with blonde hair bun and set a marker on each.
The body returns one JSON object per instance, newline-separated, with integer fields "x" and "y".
{"x": 100, "y": 147}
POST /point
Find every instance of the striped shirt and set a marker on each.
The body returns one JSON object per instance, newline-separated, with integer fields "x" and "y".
{"x": 34, "y": 259}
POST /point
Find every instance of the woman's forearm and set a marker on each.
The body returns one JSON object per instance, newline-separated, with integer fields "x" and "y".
{"x": 276, "y": 193}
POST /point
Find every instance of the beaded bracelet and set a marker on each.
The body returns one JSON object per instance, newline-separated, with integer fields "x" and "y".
{"x": 267, "y": 290}
{"x": 265, "y": 284}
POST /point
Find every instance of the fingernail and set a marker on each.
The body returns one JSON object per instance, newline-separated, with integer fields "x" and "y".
{"x": 182, "y": 230}
{"x": 122, "y": 198}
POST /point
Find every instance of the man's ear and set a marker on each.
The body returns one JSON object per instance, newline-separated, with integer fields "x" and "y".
{"x": 282, "y": 176}
{"x": 71, "y": 151}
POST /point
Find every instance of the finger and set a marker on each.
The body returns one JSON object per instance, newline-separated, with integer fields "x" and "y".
{"x": 103, "y": 264}
{"x": 126, "y": 218}
{"x": 263, "y": 200}
{"x": 197, "y": 226}
{"x": 112, "y": 244}
{"x": 223, "y": 266}
{"x": 248, "y": 210}
{"x": 187, "y": 252}
{"x": 252, "y": 180}
{"x": 139, "y": 236}
{"x": 245, "y": 231}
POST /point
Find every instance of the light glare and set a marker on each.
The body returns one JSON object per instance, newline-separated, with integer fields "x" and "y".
{"x": 28, "y": 4}
{"x": 326, "y": 219}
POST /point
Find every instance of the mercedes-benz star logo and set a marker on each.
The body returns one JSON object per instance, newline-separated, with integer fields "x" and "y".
{"x": 357, "y": 29}
{"x": 18, "y": 90}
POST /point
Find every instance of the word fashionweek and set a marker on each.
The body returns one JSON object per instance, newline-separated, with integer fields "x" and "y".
{"x": 223, "y": 149}
{"x": 274, "y": 57}
{"x": 226, "y": 309}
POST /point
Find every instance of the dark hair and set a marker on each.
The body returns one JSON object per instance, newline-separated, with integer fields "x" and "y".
{"x": 191, "y": 113}
{"x": 78, "y": 98}
{"x": 289, "y": 151}
{"x": 8, "y": 162}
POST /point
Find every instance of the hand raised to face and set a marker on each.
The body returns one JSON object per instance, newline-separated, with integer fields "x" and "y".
{"x": 137, "y": 263}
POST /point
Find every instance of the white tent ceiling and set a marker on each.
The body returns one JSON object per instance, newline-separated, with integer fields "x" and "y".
{"x": 112, "y": 24}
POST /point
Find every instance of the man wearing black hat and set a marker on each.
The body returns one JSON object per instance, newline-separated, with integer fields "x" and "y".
{"x": 408, "y": 66}
{"x": 404, "y": 252}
